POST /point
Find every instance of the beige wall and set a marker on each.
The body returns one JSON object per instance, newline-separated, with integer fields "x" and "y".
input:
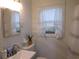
{"x": 25, "y": 23}
{"x": 71, "y": 41}
{"x": 70, "y": 5}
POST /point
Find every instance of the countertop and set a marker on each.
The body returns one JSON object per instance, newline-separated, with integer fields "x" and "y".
{"x": 23, "y": 54}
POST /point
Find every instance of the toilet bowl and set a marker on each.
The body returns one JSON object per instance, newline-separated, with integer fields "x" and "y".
{"x": 41, "y": 58}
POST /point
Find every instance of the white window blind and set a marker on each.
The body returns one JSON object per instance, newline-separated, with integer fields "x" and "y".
{"x": 50, "y": 22}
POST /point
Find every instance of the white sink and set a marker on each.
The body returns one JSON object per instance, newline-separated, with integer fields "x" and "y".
{"x": 23, "y": 54}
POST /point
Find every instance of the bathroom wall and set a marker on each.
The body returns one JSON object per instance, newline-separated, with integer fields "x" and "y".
{"x": 71, "y": 41}
{"x": 25, "y": 26}
{"x": 70, "y": 7}
{"x": 47, "y": 47}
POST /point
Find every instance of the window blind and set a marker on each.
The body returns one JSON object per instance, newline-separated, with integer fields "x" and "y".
{"x": 50, "y": 22}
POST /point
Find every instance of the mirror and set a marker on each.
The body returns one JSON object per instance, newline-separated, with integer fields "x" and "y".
{"x": 10, "y": 22}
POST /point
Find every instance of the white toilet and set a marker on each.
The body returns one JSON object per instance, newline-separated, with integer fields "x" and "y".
{"x": 41, "y": 58}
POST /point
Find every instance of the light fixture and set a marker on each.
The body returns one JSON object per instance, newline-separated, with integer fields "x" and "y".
{"x": 10, "y": 4}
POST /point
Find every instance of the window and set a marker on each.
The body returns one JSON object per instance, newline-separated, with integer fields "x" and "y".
{"x": 52, "y": 20}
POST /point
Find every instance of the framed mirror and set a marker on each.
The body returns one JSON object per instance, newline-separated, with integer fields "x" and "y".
{"x": 10, "y": 22}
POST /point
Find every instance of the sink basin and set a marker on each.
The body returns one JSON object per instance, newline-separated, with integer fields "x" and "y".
{"x": 23, "y": 54}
